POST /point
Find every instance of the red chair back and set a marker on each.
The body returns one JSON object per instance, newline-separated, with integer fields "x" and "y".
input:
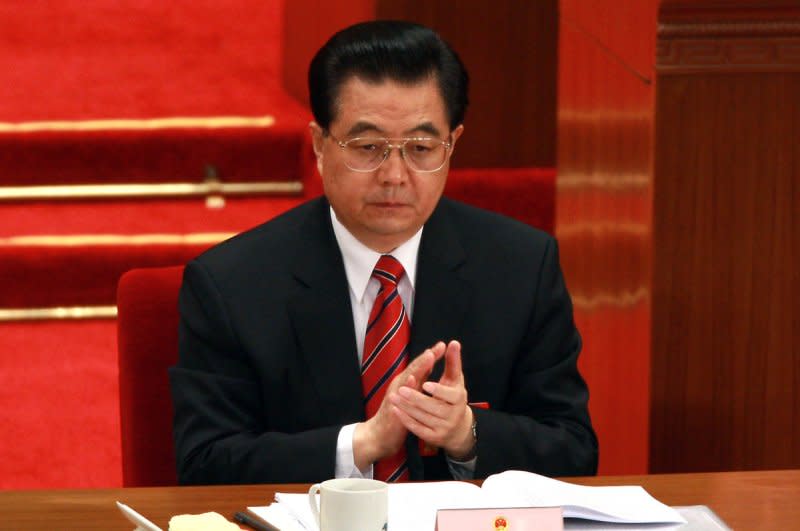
{"x": 147, "y": 335}
{"x": 525, "y": 194}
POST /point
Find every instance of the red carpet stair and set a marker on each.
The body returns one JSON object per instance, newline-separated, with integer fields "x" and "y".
{"x": 180, "y": 99}
{"x": 169, "y": 96}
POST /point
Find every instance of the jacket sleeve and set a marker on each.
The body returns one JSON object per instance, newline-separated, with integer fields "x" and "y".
{"x": 221, "y": 431}
{"x": 543, "y": 425}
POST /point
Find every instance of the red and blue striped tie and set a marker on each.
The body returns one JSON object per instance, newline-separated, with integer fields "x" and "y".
{"x": 385, "y": 354}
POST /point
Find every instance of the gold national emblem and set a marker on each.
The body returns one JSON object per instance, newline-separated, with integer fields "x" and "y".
{"x": 500, "y": 524}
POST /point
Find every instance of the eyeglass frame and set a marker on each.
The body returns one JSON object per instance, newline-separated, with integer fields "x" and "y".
{"x": 390, "y": 146}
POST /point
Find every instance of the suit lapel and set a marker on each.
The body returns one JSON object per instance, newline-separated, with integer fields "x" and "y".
{"x": 441, "y": 293}
{"x": 323, "y": 320}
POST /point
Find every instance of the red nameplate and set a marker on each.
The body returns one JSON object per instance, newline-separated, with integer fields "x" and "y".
{"x": 514, "y": 519}
{"x": 428, "y": 450}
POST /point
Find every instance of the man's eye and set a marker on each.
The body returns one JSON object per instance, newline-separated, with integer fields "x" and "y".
{"x": 420, "y": 148}
{"x": 365, "y": 146}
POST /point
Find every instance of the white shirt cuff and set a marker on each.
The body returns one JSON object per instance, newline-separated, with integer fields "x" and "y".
{"x": 345, "y": 460}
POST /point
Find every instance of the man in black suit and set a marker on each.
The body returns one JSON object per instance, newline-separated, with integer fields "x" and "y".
{"x": 268, "y": 386}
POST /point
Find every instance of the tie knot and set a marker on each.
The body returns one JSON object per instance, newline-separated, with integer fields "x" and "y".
{"x": 388, "y": 270}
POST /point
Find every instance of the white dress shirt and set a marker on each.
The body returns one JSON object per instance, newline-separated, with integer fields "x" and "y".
{"x": 359, "y": 262}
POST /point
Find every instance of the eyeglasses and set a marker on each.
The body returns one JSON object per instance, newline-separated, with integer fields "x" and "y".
{"x": 423, "y": 155}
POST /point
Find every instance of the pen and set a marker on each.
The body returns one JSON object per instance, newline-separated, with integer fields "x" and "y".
{"x": 258, "y": 525}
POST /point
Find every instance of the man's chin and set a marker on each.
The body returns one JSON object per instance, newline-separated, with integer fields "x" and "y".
{"x": 391, "y": 227}
{"x": 390, "y": 219}
{"x": 382, "y": 234}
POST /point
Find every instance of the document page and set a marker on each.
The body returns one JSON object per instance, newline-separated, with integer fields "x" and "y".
{"x": 631, "y": 504}
{"x": 698, "y": 518}
{"x": 412, "y": 506}
{"x": 278, "y": 515}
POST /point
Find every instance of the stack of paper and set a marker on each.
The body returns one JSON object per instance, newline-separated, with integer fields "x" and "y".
{"x": 413, "y": 506}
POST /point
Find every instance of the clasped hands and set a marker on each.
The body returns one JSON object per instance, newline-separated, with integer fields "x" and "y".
{"x": 436, "y": 412}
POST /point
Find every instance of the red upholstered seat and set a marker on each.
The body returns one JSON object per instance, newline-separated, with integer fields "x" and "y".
{"x": 147, "y": 327}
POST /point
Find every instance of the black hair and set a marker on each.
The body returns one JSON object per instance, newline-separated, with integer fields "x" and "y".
{"x": 386, "y": 50}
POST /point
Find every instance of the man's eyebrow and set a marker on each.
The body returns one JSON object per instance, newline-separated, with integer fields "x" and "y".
{"x": 361, "y": 127}
{"x": 425, "y": 127}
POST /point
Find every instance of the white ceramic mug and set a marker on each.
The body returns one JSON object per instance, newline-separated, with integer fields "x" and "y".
{"x": 349, "y": 504}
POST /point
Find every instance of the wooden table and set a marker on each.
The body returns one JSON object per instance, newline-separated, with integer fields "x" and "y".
{"x": 745, "y": 500}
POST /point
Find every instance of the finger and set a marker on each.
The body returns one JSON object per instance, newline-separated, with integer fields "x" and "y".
{"x": 410, "y": 382}
{"x": 418, "y": 414}
{"x": 438, "y": 350}
{"x": 421, "y": 366}
{"x": 410, "y": 399}
{"x": 411, "y": 424}
{"x": 452, "y": 363}
{"x": 446, "y": 393}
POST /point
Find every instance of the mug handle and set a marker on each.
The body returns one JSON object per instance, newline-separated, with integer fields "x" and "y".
{"x": 312, "y": 501}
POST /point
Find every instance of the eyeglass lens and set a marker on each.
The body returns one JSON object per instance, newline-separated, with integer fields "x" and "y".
{"x": 421, "y": 154}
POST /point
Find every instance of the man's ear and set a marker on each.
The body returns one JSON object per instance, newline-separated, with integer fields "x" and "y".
{"x": 317, "y": 137}
{"x": 455, "y": 134}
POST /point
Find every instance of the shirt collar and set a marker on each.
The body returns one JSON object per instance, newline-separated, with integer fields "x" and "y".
{"x": 360, "y": 260}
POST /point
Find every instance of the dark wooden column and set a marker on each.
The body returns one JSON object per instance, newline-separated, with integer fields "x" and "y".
{"x": 677, "y": 215}
{"x": 509, "y": 48}
{"x": 726, "y": 304}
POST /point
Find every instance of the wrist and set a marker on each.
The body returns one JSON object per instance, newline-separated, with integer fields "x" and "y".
{"x": 365, "y": 450}
{"x": 371, "y": 443}
{"x": 466, "y": 448}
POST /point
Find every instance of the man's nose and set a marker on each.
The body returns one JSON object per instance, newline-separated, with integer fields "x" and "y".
{"x": 394, "y": 169}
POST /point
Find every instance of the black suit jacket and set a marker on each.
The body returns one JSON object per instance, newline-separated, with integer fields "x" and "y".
{"x": 268, "y": 370}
